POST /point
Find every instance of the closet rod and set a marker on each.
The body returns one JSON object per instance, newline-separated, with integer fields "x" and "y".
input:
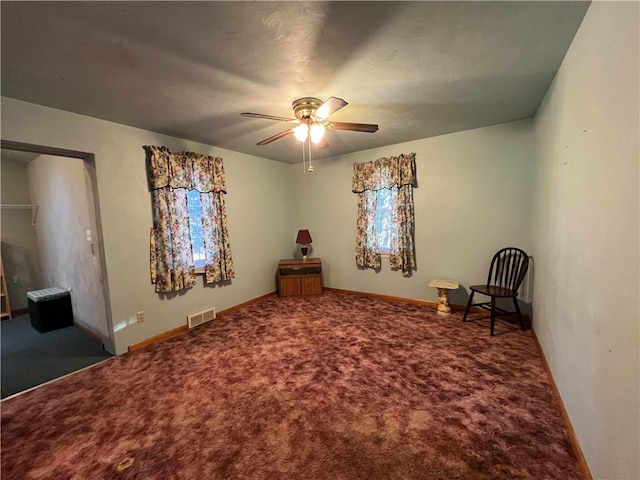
{"x": 34, "y": 210}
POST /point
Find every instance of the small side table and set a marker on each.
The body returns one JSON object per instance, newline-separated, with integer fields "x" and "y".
{"x": 299, "y": 277}
{"x": 443, "y": 287}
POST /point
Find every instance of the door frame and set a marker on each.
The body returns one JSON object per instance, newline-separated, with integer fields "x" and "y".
{"x": 88, "y": 157}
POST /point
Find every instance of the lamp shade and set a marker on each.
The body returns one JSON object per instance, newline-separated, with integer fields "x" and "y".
{"x": 304, "y": 237}
{"x": 301, "y": 132}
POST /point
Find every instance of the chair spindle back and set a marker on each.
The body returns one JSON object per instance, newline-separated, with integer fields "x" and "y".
{"x": 508, "y": 268}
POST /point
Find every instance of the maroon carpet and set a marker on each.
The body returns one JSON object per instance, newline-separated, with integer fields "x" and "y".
{"x": 327, "y": 387}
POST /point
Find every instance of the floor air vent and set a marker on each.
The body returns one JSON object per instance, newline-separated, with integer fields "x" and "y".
{"x": 199, "y": 318}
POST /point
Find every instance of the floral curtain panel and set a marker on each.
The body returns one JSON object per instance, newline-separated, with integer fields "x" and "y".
{"x": 171, "y": 255}
{"x": 170, "y": 177}
{"x": 399, "y": 175}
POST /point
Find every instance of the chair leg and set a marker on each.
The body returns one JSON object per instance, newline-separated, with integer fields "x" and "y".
{"x": 466, "y": 312}
{"x": 515, "y": 303}
{"x": 493, "y": 313}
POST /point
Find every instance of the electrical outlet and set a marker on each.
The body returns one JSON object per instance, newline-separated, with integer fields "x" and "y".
{"x": 140, "y": 316}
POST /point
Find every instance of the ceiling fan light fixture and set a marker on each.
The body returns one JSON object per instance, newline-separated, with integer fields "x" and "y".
{"x": 301, "y": 132}
{"x": 310, "y": 116}
{"x": 317, "y": 132}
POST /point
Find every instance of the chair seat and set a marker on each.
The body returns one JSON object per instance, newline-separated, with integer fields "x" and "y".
{"x": 494, "y": 291}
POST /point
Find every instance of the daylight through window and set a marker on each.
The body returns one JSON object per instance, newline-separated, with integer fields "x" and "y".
{"x": 384, "y": 218}
{"x": 195, "y": 227}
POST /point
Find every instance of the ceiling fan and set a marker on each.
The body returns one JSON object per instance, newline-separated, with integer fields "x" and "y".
{"x": 311, "y": 119}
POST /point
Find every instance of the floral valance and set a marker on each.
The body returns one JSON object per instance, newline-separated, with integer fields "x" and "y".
{"x": 189, "y": 170}
{"x": 384, "y": 173}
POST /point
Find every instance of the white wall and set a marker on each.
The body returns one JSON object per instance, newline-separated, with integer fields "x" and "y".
{"x": 473, "y": 197}
{"x": 61, "y": 187}
{"x": 19, "y": 246}
{"x": 586, "y": 237}
{"x": 258, "y": 204}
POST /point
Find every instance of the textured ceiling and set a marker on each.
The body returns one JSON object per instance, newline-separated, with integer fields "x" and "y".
{"x": 188, "y": 69}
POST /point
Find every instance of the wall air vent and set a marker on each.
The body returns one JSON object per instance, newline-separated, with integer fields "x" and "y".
{"x": 199, "y": 318}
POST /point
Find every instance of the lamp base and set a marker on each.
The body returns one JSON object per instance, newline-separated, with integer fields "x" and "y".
{"x": 304, "y": 250}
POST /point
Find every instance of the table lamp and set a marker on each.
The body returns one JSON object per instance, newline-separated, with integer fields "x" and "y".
{"x": 304, "y": 239}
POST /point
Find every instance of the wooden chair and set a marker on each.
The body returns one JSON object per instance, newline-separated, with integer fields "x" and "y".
{"x": 508, "y": 269}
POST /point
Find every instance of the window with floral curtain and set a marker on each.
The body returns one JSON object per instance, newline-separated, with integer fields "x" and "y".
{"x": 385, "y": 212}
{"x": 177, "y": 182}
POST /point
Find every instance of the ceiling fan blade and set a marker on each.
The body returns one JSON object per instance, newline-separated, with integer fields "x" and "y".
{"x": 268, "y": 117}
{"x": 275, "y": 137}
{"x": 330, "y": 106}
{"x": 354, "y": 127}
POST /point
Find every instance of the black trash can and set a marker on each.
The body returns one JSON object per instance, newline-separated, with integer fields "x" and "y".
{"x": 50, "y": 309}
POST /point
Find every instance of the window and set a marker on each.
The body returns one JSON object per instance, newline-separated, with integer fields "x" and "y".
{"x": 384, "y": 218}
{"x": 195, "y": 227}
{"x": 189, "y": 233}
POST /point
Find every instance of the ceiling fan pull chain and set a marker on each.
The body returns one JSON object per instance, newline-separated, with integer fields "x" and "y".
{"x": 304, "y": 169}
{"x": 310, "y": 166}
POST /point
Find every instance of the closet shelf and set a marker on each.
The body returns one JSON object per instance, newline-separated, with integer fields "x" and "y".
{"x": 34, "y": 210}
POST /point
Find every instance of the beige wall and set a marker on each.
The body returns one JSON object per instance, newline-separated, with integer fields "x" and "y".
{"x": 258, "y": 204}
{"x": 19, "y": 245}
{"x": 473, "y": 197}
{"x": 586, "y": 237}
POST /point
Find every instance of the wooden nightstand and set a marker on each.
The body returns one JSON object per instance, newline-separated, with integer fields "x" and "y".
{"x": 300, "y": 277}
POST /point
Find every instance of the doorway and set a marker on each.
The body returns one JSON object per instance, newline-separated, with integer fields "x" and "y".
{"x": 51, "y": 232}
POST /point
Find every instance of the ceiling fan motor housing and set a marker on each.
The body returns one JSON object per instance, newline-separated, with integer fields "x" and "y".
{"x": 305, "y": 107}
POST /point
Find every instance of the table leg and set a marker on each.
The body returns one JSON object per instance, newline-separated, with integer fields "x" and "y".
{"x": 443, "y": 302}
